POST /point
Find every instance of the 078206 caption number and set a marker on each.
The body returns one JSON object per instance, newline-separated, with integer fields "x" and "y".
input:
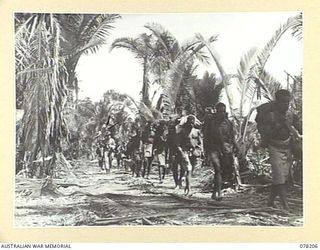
{"x": 311, "y": 246}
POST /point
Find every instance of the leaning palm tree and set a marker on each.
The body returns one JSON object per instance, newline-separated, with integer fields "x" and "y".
{"x": 253, "y": 78}
{"x": 224, "y": 76}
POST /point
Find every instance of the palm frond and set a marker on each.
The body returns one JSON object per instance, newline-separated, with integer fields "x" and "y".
{"x": 192, "y": 44}
{"x": 263, "y": 56}
{"x": 222, "y": 72}
{"x": 297, "y": 27}
{"x": 265, "y": 53}
{"x": 271, "y": 83}
{"x": 131, "y": 44}
{"x": 173, "y": 78}
{"x": 174, "y": 75}
{"x": 143, "y": 110}
{"x": 244, "y": 68}
{"x": 167, "y": 41}
{"x": 100, "y": 33}
{"x": 44, "y": 89}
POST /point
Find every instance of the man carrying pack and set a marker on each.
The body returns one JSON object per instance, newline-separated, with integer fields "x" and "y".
{"x": 109, "y": 150}
{"x": 220, "y": 147}
{"x": 147, "y": 140}
{"x": 189, "y": 147}
{"x": 276, "y": 125}
{"x": 160, "y": 149}
{"x": 134, "y": 151}
{"x": 173, "y": 154}
{"x": 209, "y": 115}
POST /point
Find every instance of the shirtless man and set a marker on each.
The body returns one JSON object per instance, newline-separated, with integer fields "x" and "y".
{"x": 277, "y": 126}
{"x": 187, "y": 143}
{"x": 160, "y": 149}
{"x": 221, "y": 146}
{"x": 147, "y": 140}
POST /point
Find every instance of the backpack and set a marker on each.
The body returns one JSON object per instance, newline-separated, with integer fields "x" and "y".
{"x": 264, "y": 114}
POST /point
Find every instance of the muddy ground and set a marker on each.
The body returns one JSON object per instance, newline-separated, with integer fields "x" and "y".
{"x": 87, "y": 196}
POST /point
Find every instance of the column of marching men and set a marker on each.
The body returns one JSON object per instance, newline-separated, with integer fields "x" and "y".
{"x": 179, "y": 145}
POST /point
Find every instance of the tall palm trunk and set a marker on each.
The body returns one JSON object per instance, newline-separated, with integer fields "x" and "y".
{"x": 145, "y": 83}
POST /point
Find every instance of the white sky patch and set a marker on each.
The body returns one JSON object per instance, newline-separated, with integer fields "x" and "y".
{"x": 237, "y": 33}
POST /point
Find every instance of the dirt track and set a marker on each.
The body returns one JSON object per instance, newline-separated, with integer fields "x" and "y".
{"x": 87, "y": 196}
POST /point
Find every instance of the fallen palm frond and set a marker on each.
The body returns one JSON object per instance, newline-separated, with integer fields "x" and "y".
{"x": 118, "y": 220}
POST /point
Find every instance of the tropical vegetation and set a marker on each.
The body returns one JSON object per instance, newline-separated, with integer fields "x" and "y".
{"x": 56, "y": 124}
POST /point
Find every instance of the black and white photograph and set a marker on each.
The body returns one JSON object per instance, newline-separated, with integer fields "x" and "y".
{"x": 158, "y": 119}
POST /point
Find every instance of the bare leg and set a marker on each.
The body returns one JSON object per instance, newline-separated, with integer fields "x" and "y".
{"x": 273, "y": 195}
{"x": 283, "y": 196}
{"x": 160, "y": 173}
{"x": 144, "y": 166}
{"x": 216, "y": 194}
{"x": 175, "y": 174}
{"x": 101, "y": 164}
{"x": 149, "y": 161}
{"x": 138, "y": 168}
{"x": 164, "y": 170}
{"x": 192, "y": 161}
{"x": 188, "y": 182}
{"x": 182, "y": 173}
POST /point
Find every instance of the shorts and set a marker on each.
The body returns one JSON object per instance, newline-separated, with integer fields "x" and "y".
{"x": 147, "y": 150}
{"x": 281, "y": 164}
{"x": 160, "y": 159}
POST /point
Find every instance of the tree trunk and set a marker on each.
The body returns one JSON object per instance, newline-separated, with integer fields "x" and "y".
{"x": 145, "y": 84}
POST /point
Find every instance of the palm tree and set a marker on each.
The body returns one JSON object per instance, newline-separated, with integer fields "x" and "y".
{"x": 83, "y": 34}
{"x": 253, "y": 76}
{"x": 207, "y": 93}
{"x": 225, "y": 78}
{"x": 172, "y": 61}
{"x": 297, "y": 27}
{"x": 142, "y": 48}
{"x": 40, "y": 69}
{"x": 186, "y": 98}
{"x": 44, "y": 50}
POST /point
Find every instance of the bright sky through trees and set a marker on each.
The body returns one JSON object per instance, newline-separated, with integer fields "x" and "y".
{"x": 238, "y": 32}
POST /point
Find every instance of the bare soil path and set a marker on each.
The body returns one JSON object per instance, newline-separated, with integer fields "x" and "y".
{"x": 87, "y": 196}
